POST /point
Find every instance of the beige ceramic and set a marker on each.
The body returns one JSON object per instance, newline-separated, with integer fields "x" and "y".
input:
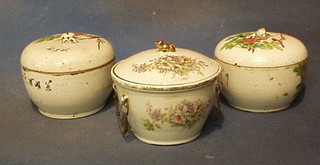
{"x": 68, "y": 75}
{"x": 261, "y": 71}
{"x": 166, "y": 93}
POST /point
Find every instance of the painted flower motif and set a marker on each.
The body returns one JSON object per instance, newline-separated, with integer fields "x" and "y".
{"x": 47, "y": 38}
{"x": 78, "y": 36}
{"x": 300, "y": 71}
{"x": 250, "y": 41}
{"x": 177, "y": 65}
{"x": 184, "y": 114}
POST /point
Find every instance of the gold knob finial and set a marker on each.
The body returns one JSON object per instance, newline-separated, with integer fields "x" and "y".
{"x": 164, "y": 47}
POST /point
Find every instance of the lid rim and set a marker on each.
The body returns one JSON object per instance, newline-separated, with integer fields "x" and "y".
{"x": 165, "y": 88}
{"x": 166, "y": 69}
{"x": 70, "y": 72}
{"x": 176, "y": 88}
{"x": 262, "y": 67}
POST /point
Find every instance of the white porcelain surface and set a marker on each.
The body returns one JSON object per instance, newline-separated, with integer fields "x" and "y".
{"x": 249, "y": 49}
{"x": 68, "y": 75}
{"x": 168, "y": 118}
{"x": 261, "y": 76}
{"x": 167, "y": 107}
{"x": 50, "y": 54}
{"x": 166, "y": 69}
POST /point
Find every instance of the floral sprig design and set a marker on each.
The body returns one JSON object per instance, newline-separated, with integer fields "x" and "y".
{"x": 78, "y": 36}
{"x": 47, "y": 38}
{"x": 300, "y": 71}
{"x": 184, "y": 114}
{"x": 177, "y": 65}
{"x": 83, "y": 36}
{"x": 250, "y": 41}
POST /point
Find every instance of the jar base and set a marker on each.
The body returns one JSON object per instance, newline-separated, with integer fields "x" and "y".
{"x": 70, "y": 116}
{"x": 259, "y": 110}
{"x": 174, "y": 142}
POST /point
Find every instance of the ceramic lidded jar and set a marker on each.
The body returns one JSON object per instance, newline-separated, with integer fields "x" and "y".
{"x": 68, "y": 75}
{"x": 166, "y": 94}
{"x": 261, "y": 71}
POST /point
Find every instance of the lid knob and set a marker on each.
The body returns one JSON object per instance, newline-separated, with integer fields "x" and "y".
{"x": 68, "y": 37}
{"x": 261, "y": 34}
{"x": 164, "y": 47}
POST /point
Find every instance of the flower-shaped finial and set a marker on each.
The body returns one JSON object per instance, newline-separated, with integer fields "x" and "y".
{"x": 262, "y": 33}
{"x": 69, "y": 36}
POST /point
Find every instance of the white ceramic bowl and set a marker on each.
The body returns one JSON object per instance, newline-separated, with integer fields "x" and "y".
{"x": 261, "y": 71}
{"x": 68, "y": 75}
{"x": 166, "y": 95}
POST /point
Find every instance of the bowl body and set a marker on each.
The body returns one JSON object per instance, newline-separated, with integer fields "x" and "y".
{"x": 68, "y": 79}
{"x": 261, "y": 89}
{"x": 69, "y": 95}
{"x": 169, "y": 118}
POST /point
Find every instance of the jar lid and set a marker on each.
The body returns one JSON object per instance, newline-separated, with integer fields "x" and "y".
{"x": 67, "y": 52}
{"x": 165, "y": 68}
{"x": 261, "y": 49}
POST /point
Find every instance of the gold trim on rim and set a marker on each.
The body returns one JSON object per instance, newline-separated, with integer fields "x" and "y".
{"x": 262, "y": 68}
{"x": 68, "y": 73}
{"x": 156, "y": 88}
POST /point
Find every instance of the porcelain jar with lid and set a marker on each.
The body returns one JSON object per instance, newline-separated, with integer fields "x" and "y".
{"x": 166, "y": 94}
{"x": 261, "y": 71}
{"x": 68, "y": 75}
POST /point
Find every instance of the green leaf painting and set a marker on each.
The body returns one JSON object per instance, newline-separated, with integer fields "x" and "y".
{"x": 77, "y": 36}
{"x": 47, "y": 38}
{"x": 252, "y": 41}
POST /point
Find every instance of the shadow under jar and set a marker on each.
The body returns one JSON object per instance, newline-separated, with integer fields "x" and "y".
{"x": 261, "y": 71}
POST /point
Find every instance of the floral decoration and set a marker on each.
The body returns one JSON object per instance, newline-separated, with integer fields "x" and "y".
{"x": 253, "y": 40}
{"x": 78, "y": 36}
{"x": 184, "y": 114}
{"x": 177, "y": 65}
{"x": 47, "y": 38}
{"x": 300, "y": 71}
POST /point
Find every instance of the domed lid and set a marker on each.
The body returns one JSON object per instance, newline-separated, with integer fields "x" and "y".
{"x": 261, "y": 49}
{"x": 164, "y": 69}
{"x": 67, "y": 52}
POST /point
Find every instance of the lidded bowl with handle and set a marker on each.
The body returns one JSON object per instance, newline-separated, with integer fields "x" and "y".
{"x": 165, "y": 95}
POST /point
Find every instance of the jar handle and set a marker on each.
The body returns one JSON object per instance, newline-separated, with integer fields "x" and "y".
{"x": 218, "y": 88}
{"x": 218, "y": 92}
{"x": 124, "y": 109}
